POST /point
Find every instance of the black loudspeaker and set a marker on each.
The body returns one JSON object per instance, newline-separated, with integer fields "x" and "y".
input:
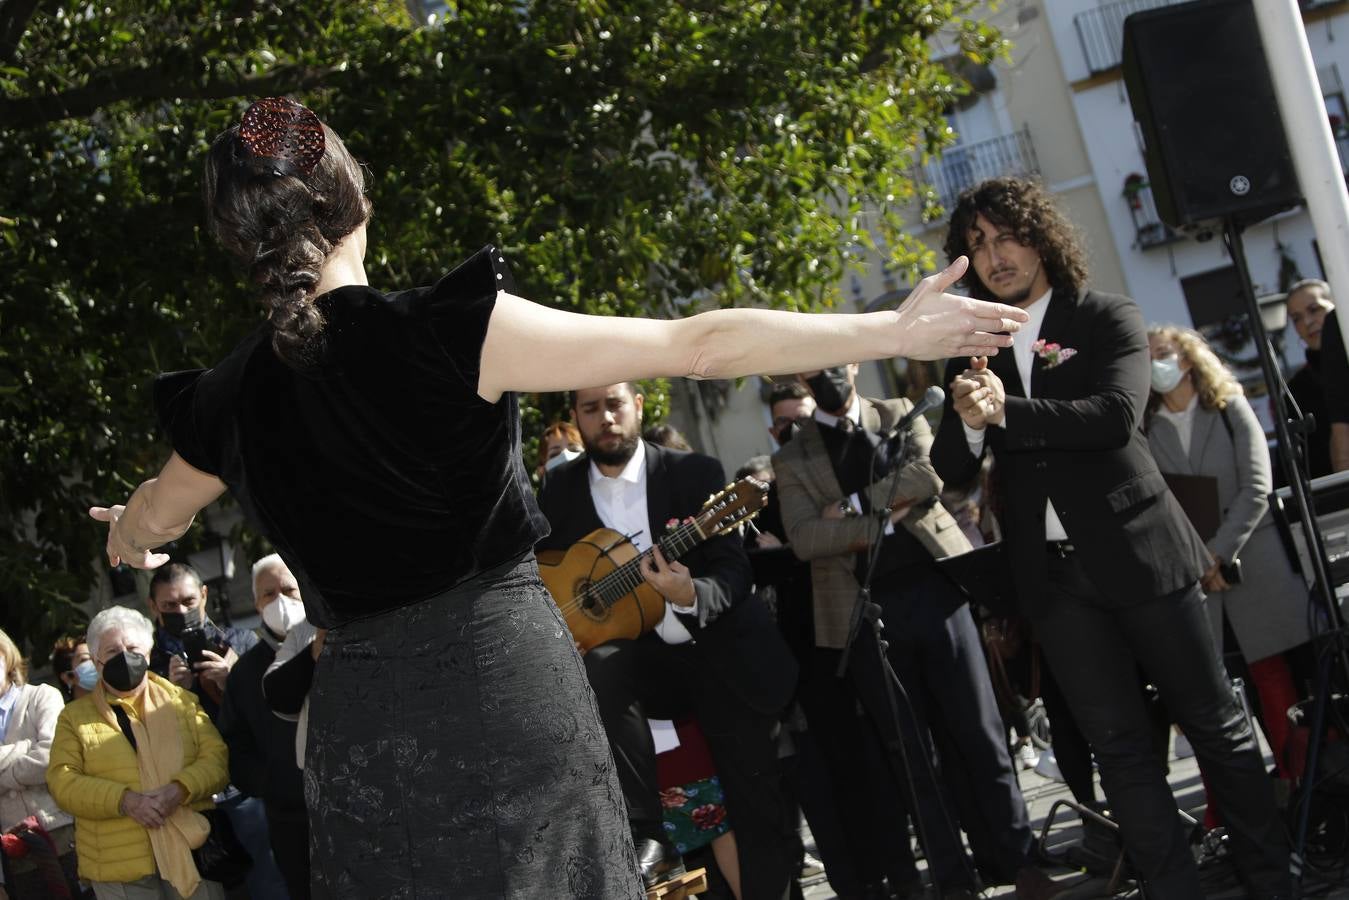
{"x": 1201, "y": 93}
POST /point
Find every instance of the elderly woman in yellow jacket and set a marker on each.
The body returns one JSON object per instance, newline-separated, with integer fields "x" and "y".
{"x": 133, "y": 762}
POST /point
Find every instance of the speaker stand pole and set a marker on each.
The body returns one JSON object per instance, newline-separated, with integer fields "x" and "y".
{"x": 1332, "y": 643}
{"x": 1311, "y": 144}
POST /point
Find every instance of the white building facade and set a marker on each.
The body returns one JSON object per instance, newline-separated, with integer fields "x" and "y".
{"x": 1057, "y": 109}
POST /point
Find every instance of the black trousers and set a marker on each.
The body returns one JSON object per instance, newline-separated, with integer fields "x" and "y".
{"x": 872, "y": 815}
{"x": 1096, "y": 653}
{"x": 949, "y": 713}
{"x": 288, "y": 830}
{"x": 634, "y": 680}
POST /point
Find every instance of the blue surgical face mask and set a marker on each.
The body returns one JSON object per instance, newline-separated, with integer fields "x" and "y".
{"x": 87, "y": 673}
{"x": 1166, "y": 374}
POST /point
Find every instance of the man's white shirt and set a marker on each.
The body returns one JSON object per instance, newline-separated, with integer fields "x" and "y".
{"x": 1025, "y": 360}
{"x": 621, "y": 504}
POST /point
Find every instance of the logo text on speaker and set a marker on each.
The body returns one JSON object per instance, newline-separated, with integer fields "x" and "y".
{"x": 1240, "y": 185}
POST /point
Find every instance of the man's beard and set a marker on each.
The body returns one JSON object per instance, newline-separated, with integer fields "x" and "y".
{"x": 617, "y": 456}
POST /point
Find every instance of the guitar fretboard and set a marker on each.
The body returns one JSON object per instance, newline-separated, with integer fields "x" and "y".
{"x": 625, "y": 579}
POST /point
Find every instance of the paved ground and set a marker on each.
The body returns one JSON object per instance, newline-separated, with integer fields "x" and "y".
{"x": 1042, "y": 793}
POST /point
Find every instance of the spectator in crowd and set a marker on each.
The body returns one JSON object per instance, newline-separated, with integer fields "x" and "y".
{"x": 1308, "y": 305}
{"x": 870, "y": 844}
{"x": 262, "y": 745}
{"x": 666, "y": 435}
{"x": 28, "y": 714}
{"x": 73, "y": 667}
{"x": 1199, "y": 423}
{"x": 715, "y": 653}
{"x": 788, "y": 403}
{"x": 178, "y": 604}
{"x": 1335, "y": 378}
{"x": 835, "y": 507}
{"x": 559, "y": 443}
{"x": 134, "y": 762}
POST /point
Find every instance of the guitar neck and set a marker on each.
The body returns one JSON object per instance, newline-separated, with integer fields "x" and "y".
{"x": 625, "y": 579}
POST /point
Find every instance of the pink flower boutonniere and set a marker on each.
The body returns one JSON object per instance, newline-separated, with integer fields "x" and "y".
{"x": 1053, "y": 354}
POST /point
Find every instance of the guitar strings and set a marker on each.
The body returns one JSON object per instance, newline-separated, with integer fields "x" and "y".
{"x": 629, "y": 575}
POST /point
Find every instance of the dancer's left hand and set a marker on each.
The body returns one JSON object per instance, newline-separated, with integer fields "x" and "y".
{"x": 119, "y": 549}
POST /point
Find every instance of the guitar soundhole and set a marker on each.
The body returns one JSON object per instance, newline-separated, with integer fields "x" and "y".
{"x": 590, "y": 604}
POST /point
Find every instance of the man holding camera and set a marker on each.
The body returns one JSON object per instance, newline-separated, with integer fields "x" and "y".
{"x": 190, "y": 650}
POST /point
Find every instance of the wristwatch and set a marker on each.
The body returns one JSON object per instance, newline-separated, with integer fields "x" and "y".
{"x": 845, "y": 506}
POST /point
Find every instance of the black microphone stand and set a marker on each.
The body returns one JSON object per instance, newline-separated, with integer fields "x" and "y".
{"x": 1334, "y": 642}
{"x": 866, "y": 610}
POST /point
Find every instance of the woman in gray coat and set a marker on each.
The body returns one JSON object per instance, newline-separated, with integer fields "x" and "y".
{"x": 1200, "y": 423}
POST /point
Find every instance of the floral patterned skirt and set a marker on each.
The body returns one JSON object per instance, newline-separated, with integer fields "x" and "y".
{"x": 455, "y": 750}
{"x": 694, "y": 814}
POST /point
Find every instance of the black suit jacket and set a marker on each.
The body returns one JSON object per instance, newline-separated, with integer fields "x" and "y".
{"x": 261, "y": 743}
{"x": 1079, "y": 442}
{"x": 732, "y": 629}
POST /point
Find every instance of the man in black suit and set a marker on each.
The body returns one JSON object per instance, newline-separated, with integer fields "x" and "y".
{"x": 716, "y": 652}
{"x": 1104, "y": 562}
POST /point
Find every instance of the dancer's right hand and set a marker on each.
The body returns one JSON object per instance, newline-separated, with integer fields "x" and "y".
{"x": 938, "y": 325}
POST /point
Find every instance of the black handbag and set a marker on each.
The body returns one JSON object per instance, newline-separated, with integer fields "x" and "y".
{"x": 221, "y": 857}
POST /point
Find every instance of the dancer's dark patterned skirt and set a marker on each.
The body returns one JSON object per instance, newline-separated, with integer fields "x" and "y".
{"x": 455, "y": 750}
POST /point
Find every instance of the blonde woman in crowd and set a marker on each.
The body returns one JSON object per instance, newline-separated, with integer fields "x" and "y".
{"x": 28, "y": 714}
{"x": 1199, "y": 423}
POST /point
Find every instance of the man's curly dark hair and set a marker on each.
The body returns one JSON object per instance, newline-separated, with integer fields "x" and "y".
{"x": 1024, "y": 207}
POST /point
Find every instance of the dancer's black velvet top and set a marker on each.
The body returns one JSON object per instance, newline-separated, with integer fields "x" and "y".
{"x": 378, "y": 473}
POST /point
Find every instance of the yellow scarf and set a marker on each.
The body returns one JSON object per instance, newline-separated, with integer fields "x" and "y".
{"x": 159, "y": 754}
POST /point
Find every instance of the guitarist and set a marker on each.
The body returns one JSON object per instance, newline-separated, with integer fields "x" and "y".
{"x": 716, "y": 653}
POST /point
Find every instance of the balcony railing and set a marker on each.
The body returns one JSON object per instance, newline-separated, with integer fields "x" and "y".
{"x": 1149, "y": 229}
{"x": 1101, "y": 31}
{"x": 965, "y": 165}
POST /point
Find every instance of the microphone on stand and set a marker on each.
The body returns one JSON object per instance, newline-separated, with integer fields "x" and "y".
{"x": 933, "y": 397}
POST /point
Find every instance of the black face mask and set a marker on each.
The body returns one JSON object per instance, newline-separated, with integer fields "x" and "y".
{"x": 831, "y": 390}
{"x": 125, "y": 671}
{"x": 175, "y": 623}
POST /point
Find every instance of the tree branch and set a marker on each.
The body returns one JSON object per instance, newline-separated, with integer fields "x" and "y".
{"x": 153, "y": 84}
{"x": 14, "y": 18}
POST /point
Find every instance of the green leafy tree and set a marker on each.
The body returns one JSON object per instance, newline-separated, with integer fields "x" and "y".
{"x": 629, "y": 157}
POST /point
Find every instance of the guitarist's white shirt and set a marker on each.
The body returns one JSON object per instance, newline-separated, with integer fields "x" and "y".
{"x": 621, "y": 505}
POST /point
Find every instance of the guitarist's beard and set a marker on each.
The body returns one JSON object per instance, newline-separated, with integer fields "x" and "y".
{"x": 619, "y": 455}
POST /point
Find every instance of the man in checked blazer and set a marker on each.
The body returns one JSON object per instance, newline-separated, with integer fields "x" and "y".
{"x": 833, "y": 502}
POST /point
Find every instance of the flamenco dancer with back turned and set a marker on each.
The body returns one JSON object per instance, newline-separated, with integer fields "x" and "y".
{"x": 363, "y": 432}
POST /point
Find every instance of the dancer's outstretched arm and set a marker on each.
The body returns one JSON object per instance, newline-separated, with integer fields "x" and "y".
{"x": 534, "y": 348}
{"x": 159, "y": 511}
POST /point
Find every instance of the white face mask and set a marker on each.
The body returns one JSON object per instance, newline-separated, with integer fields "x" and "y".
{"x": 566, "y": 456}
{"x": 1166, "y": 374}
{"x": 283, "y": 614}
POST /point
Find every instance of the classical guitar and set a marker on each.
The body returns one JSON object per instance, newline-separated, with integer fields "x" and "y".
{"x": 598, "y": 583}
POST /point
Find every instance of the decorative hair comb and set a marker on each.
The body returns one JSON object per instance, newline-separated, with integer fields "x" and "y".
{"x": 284, "y": 135}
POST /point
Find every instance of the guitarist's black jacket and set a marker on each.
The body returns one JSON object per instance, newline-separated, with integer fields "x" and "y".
{"x": 732, "y": 630}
